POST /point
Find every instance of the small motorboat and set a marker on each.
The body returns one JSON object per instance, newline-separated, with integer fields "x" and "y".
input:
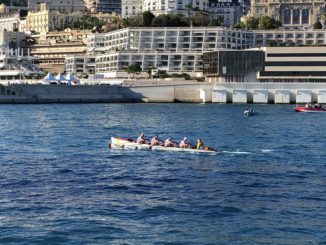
{"x": 249, "y": 112}
{"x": 310, "y": 108}
{"x": 124, "y": 143}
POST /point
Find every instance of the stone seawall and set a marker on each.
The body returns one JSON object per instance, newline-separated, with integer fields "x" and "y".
{"x": 37, "y": 93}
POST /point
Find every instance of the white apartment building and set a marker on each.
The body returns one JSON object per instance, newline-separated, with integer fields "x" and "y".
{"x": 79, "y": 65}
{"x": 62, "y": 5}
{"x": 230, "y": 11}
{"x": 180, "y": 50}
{"x": 131, "y": 8}
{"x": 158, "y": 7}
{"x": 171, "y": 49}
{"x": 284, "y": 37}
{"x": 9, "y": 20}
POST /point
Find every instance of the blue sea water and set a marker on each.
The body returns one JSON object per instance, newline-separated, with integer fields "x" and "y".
{"x": 60, "y": 184}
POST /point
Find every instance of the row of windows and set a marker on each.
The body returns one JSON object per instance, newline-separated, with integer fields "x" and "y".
{"x": 293, "y": 73}
{"x": 296, "y": 63}
{"x": 297, "y": 55}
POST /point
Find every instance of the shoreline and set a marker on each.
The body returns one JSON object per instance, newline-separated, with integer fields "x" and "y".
{"x": 166, "y": 92}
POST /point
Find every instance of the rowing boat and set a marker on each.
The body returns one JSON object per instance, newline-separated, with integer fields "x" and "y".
{"x": 123, "y": 143}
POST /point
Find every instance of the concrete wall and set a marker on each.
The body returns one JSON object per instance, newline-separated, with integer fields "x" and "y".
{"x": 260, "y": 96}
{"x": 282, "y": 97}
{"x": 322, "y": 97}
{"x": 37, "y": 93}
{"x": 290, "y": 91}
{"x": 173, "y": 92}
{"x": 219, "y": 96}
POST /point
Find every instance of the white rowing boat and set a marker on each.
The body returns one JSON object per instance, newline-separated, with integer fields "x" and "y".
{"x": 122, "y": 143}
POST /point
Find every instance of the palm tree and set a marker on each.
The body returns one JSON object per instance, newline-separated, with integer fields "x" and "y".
{"x": 189, "y": 9}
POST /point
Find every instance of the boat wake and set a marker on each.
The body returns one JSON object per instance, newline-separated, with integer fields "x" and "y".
{"x": 267, "y": 150}
{"x": 237, "y": 152}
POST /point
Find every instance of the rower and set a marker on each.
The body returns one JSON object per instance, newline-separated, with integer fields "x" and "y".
{"x": 141, "y": 139}
{"x": 155, "y": 141}
{"x": 168, "y": 142}
{"x": 200, "y": 144}
{"x": 184, "y": 143}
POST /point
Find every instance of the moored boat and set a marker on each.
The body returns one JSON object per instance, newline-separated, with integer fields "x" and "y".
{"x": 125, "y": 143}
{"x": 249, "y": 112}
{"x": 310, "y": 108}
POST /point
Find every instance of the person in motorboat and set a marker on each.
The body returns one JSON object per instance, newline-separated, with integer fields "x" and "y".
{"x": 200, "y": 144}
{"x": 141, "y": 139}
{"x": 155, "y": 141}
{"x": 184, "y": 143}
{"x": 169, "y": 143}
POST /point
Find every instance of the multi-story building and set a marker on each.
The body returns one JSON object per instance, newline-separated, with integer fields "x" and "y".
{"x": 12, "y": 39}
{"x": 80, "y": 64}
{"x": 269, "y": 64}
{"x": 291, "y": 13}
{"x": 171, "y": 49}
{"x": 285, "y": 37}
{"x": 9, "y": 19}
{"x": 64, "y": 6}
{"x": 228, "y": 12}
{"x": 105, "y": 6}
{"x": 52, "y": 48}
{"x": 158, "y": 7}
{"x": 131, "y": 8}
{"x": 14, "y": 64}
{"x": 44, "y": 19}
{"x": 52, "y": 57}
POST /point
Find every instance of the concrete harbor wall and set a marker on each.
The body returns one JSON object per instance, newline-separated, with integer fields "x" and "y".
{"x": 38, "y": 93}
{"x": 278, "y": 93}
{"x": 193, "y": 92}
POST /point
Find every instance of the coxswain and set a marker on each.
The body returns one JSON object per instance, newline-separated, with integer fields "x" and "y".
{"x": 141, "y": 139}
{"x": 184, "y": 143}
{"x": 155, "y": 141}
{"x": 200, "y": 144}
{"x": 168, "y": 142}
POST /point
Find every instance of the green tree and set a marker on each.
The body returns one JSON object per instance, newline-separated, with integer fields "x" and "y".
{"x": 218, "y": 22}
{"x": 318, "y": 25}
{"x": 148, "y": 17}
{"x": 272, "y": 43}
{"x": 252, "y": 23}
{"x": 161, "y": 74}
{"x": 170, "y": 20}
{"x": 189, "y": 8}
{"x": 134, "y": 68}
{"x": 134, "y": 21}
{"x": 267, "y": 23}
{"x": 200, "y": 19}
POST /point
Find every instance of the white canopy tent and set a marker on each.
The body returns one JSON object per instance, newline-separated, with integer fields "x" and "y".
{"x": 48, "y": 78}
{"x": 72, "y": 79}
{"x": 60, "y": 78}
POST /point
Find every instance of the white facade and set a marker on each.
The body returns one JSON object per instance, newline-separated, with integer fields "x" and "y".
{"x": 289, "y": 37}
{"x": 80, "y": 64}
{"x": 9, "y": 21}
{"x": 131, "y": 8}
{"x": 227, "y": 10}
{"x": 158, "y": 7}
{"x": 175, "y": 50}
